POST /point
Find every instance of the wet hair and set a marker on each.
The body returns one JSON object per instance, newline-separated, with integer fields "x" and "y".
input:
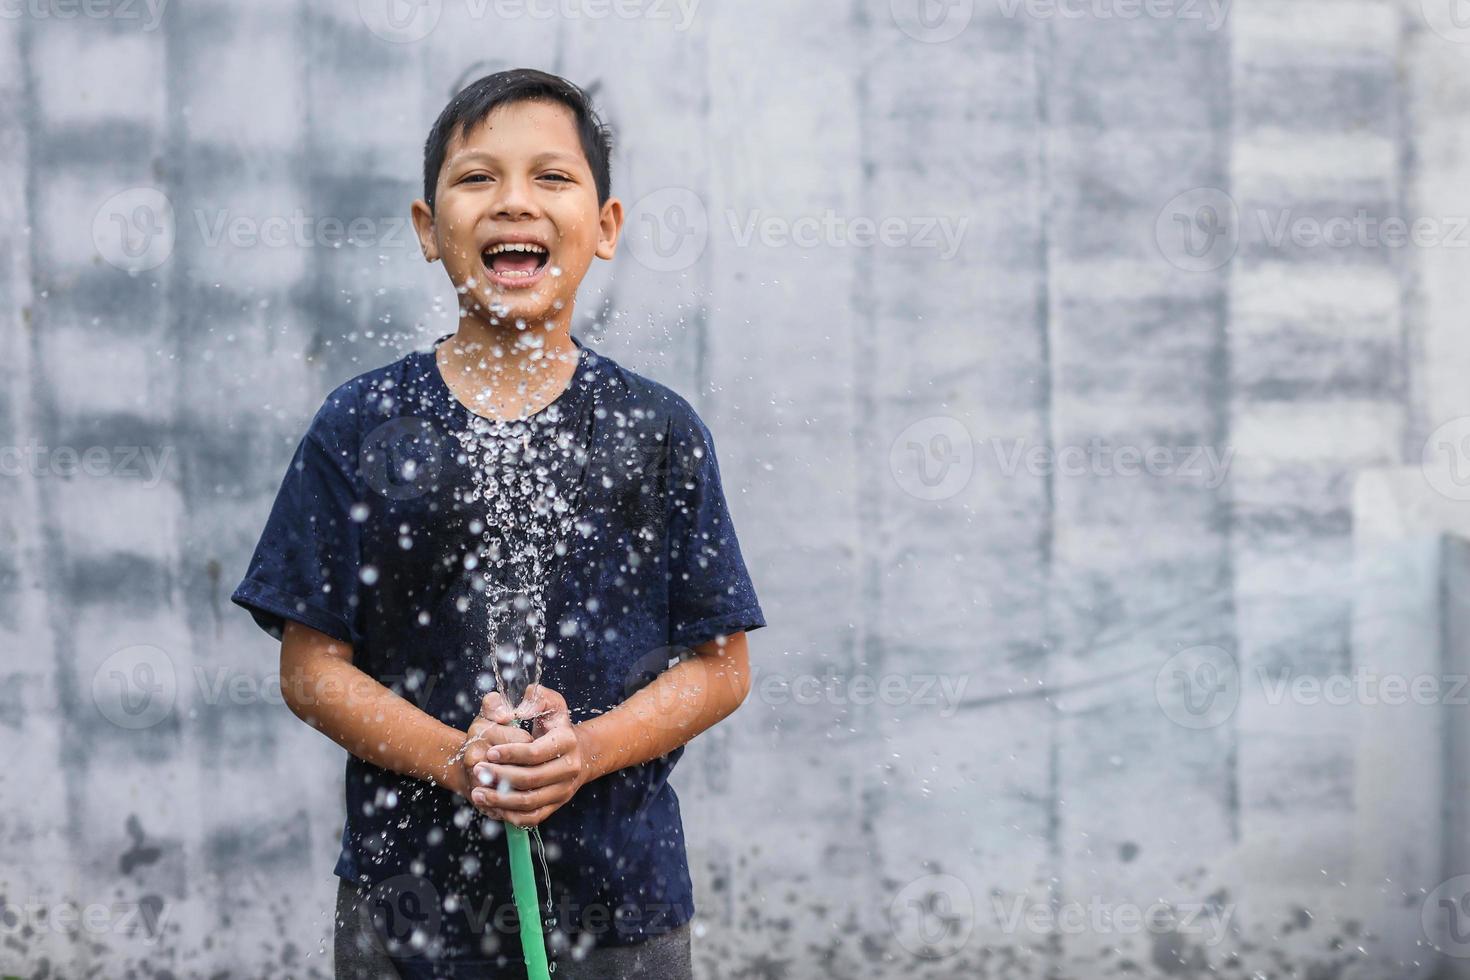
{"x": 478, "y": 99}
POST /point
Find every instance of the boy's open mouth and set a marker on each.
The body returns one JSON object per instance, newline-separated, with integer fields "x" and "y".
{"x": 515, "y": 265}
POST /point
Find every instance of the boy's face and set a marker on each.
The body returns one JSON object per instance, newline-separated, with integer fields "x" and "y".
{"x": 516, "y": 218}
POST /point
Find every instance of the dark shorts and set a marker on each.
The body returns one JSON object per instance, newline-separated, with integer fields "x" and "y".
{"x": 360, "y": 954}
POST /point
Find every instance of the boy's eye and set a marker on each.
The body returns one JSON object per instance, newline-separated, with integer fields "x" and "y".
{"x": 561, "y": 177}
{"x": 475, "y": 177}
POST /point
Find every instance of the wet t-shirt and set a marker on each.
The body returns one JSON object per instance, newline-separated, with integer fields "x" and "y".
{"x": 450, "y": 551}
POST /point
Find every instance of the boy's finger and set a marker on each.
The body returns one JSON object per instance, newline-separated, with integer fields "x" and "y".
{"x": 474, "y": 754}
{"x": 494, "y": 707}
{"x": 531, "y": 753}
{"x": 507, "y": 735}
{"x": 540, "y": 700}
{"x": 525, "y": 777}
{"x": 550, "y": 712}
{"x": 483, "y": 731}
{"x": 515, "y": 802}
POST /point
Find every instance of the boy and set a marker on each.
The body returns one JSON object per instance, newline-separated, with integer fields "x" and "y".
{"x": 509, "y": 527}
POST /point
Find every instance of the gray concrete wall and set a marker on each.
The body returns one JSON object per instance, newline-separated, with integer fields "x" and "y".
{"x": 1094, "y": 688}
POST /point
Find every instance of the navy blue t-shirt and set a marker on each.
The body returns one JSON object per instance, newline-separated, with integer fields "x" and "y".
{"x": 374, "y": 539}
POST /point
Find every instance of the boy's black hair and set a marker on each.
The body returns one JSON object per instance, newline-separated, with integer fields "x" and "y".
{"x": 481, "y": 97}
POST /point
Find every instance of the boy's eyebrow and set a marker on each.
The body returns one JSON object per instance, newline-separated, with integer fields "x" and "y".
{"x": 547, "y": 156}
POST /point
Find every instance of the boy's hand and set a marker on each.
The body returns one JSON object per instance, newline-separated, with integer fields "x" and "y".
{"x": 493, "y": 726}
{"x": 524, "y": 782}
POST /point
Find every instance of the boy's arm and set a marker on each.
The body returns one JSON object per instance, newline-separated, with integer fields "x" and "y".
{"x": 323, "y": 688}
{"x": 689, "y": 697}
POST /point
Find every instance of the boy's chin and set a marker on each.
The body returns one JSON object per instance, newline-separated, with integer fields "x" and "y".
{"x": 509, "y": 307}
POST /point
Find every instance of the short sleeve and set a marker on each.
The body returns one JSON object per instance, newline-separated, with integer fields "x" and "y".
{"x": 305, "y": 566}
{"x": 710, "y": 591}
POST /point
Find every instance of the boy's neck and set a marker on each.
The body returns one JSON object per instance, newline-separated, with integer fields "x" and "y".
{"x": 495, "y": 370}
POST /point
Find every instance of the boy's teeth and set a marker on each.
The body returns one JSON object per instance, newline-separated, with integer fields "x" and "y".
{"x": 514, "y": 247}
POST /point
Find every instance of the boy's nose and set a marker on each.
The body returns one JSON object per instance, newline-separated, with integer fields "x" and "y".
{"x": 514, "y": 200}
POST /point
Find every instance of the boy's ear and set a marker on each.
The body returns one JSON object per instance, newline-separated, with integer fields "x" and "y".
{"x": 610, "y": 224}
{"x": 423, "y": 224}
